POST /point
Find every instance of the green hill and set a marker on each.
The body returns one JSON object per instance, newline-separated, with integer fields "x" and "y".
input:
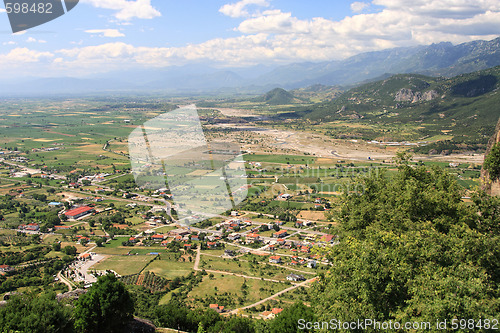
{"x": 464, "y": 108}
{"x": 278, "y": 96}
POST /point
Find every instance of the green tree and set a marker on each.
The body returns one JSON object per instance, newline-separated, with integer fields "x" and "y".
{"x": 106, "y": 307}
{"x": 492, "y": 162}
{"x": 28, "y": 313}
{"x": 410, "y": 249}
{"x": 287, "y": 321}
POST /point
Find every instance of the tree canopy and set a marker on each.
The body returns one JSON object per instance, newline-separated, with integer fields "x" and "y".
{"x": 492, "y": 162}
{"x": 106, "y": 307}
{"x": 410, "y": 249}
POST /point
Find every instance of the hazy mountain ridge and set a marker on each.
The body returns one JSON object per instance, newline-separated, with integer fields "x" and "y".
{"x": 443, "y": 59}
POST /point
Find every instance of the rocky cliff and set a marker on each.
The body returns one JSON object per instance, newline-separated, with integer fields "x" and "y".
{"x": 408, "y": 95}
{"x": 492, "y": 188}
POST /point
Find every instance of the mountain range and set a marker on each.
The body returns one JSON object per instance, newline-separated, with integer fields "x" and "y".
{"x": 443, "y": 59}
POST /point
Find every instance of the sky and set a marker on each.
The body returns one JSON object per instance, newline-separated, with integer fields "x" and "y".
{"x": 98, "y": 36}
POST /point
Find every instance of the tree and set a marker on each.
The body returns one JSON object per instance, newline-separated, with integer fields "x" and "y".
{"x": 287, "y": 320}
{"x": 28, "y": 313}
{"x": 411, "y": 250}
{"x": 69, "y": 250}
{"x": 492, "y": 162}
{"x": 106, "y": 307}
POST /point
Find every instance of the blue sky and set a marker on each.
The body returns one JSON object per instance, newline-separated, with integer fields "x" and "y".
{"x": 103, "y": 35}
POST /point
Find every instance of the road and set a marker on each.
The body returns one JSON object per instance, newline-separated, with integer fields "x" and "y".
{"x": 65, "y": 281}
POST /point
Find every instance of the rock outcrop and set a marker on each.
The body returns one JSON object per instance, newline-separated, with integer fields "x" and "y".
{"x": 491, "y": 187}
{"x": 408, "y": 95}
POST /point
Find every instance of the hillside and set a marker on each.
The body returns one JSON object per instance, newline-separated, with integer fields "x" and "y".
{"x": 463, "y": 109}
{"x": 277, "y": 96}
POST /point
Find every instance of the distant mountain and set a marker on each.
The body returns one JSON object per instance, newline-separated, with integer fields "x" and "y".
{"x": 443, "y": 59}
{"x": 463, "y": 109}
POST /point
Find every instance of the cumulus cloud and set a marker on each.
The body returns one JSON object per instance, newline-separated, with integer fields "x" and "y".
{"x": 110, "y": 33}
{"x": 34, "y": 40}
{"x": 358, "y": 7}
{"x": 126, "y": 9}
{"x": 22, "y": 55}
{"x": 280, "y": 37}
{"x": 239, "y": 9}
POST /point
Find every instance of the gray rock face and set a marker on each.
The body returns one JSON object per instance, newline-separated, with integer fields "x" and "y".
{"x": 408, "y": 95}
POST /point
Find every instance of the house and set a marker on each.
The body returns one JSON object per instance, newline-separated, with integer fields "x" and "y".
{"x": 253, "y": 237}
{"x": 195, "y": 238}
{"x": 5, "y": 269}
{"x": 275, "y": 259}
{"x": 98, "y": 199}
{"x": 229, "y": 253}
{"x": 275, "y": 311}
{"x": 305, "y": 249}
{"x": 234, "y": 236}
{"x": 33, "y": 227}
{"x": 272, "y": 247}
{"x": 54, "y": 204}
{"x": 216, "y": 307}
{"x": 79, "y": 212}
{"x": 311, "y": 264}
{"x": 132, "y": 240}
{"x": 270, "y": 314}
{"x": 187, "y": 246}
{"x": 280, "y": 234}
{"x": 280, "y": 241}
{"x": 295, "y": 277}
{"x": 165, "y": 243}
{"x": 85, "y": 256}
{"x": 62, "y": 227}
{"x": 234, "y": 213}
{"x": 211, "y": 245}
{"x": 158, "y": 237}
{"x": 179, "y": 232}
{"x": 284, "y": 196}
{"x": 328, "y": 239}
{"x": 299, "y": 224}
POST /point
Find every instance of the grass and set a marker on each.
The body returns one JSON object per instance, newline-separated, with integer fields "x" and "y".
{"x": 123, "y": 265}
{"x": 169, "y": 268}
{"x": 232, "y": 286}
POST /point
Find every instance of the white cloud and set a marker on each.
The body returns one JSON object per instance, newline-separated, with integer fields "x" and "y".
{"x": 358, "y": 7}
{"x": 34, "y": 40}
{"x": 280, "y": 37}
{"x": 111, "y": 33}
{"x": 127, "y": 9}
{"x": 239, "y": 9}
{"x": 2, "y": 10}
{"x": 9, "y": 43}
{"x": 22, "y": 55}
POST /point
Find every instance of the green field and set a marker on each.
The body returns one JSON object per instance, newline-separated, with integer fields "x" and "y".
{"x": 123, "y": 265}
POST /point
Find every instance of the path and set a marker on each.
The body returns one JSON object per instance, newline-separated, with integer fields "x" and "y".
{"x": 65, "y": 281}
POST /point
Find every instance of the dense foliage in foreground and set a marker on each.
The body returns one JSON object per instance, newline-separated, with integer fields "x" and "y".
{"x": 412, "y": 250}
